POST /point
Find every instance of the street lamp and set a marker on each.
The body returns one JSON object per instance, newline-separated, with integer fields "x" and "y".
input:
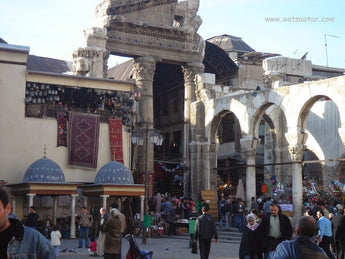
{"x": 138, "y": 139}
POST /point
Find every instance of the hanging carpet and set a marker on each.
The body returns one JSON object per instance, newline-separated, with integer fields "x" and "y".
{"x": 83, "y": 130}
{"x": 62, "y": 128}
{"x": 115, "y": 135}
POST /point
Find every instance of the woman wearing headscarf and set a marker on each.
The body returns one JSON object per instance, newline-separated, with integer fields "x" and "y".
{"x": 249, "y": 247}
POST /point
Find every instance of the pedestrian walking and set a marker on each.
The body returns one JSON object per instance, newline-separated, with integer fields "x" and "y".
{"x": 301, "y": 247}
{"x": 249, "y": 247}
{"x": 171, "y": 218}
{"x": 205, "y": 229}
{"x": 274, "y": 228}
{"x": 55, "y": 236}
{"x": 325, "y": 233}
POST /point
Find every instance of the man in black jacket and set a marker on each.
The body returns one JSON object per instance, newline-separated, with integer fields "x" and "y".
{"x": 274, "y": 228}
{"x": 302, "y": 247}
{"x": 205, "y": 229}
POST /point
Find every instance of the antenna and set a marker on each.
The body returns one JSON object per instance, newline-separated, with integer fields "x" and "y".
{"x": 334, "y": 36}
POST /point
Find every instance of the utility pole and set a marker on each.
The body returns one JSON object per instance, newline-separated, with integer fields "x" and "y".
{"x": 326, "y": 45}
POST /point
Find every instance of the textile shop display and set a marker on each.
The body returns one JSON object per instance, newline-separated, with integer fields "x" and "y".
{"x": 83, "y": 133}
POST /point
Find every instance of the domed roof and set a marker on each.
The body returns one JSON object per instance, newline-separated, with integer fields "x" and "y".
{"x": 44, "y": 170}
{"x": 114, "y": 173}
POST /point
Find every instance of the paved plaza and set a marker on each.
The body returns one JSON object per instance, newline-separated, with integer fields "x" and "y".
{"x": 176, "y": 247}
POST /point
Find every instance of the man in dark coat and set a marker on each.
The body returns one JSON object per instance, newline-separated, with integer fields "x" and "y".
{"x": 100, "y": 242}
{"x": 32, "y": 220}
{"x": 274, "y": 228}
{"x": 338, "y": 225}
{"x": 205, "y": 229}
{"x": 302, "y": 247}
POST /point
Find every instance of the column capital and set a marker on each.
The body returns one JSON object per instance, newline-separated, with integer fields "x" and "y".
{"x": 145, "y": 68}
{"x": 249, "y": 145}
{"x": 74, "y": 195}
{"x": 104, "y": 196}
{"x": 31, "y": 194}
{"x": 296, "y": 152}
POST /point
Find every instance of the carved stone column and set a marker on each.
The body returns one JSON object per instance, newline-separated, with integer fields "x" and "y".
{"x": 104, "y": 199}
{"x": 31, "y": 199}
{"x": 190, "y": 71}
{"x": 249, "y": 146}
{"x": 55, "y": 208}
{"x": 85, "y": 201}
{"x": 142, "y": 199}
{"x": 296, "y": 153}
{"x": 296, "y": 149}
{"x": 13, "y": 202}
{"x": 144, "y": 71}
{"x": 72, "y": 232}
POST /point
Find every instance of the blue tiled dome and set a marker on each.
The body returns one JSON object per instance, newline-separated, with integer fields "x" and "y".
{"x": 114, "y": 173}
{"x": 44, "y": 170}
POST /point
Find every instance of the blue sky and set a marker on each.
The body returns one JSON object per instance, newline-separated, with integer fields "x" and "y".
{"x": 54, "y": 28}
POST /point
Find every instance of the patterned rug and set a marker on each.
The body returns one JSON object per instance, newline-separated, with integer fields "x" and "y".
{"x": 62, "y": 128}
{"x": 115, "y": 135}
{"x": 83, "y": 130}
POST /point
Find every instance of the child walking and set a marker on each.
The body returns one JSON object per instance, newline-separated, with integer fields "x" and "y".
{"x": 55, "y": 236}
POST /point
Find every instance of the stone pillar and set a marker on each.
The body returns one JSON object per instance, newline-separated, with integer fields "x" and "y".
{"x": 104, "y": 199}
{"x": 72, "y": 232}
{"x": 142, "y": 200}
{"x": 190, "y": 71}
{"x": 13, "y": 203}
{"x": 144, "y": 72}
{"x": 296, "y": 149}
{"x": 296, "y": 153}
{"x": 249, "y": 146}
{"x": 85, "y": 202}
{"x": 55, "y": 200}
{"x": 31, "y": 199}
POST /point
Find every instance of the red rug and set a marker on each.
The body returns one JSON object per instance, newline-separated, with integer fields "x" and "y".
{"x": 62, "y": 128}
{"x": 115, "y": 135}
{"x": 83, "y": 130}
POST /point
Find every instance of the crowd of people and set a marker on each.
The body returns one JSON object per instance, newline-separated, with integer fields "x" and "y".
{"x": 266, "y": 231}
{"x": 320, "y": 232}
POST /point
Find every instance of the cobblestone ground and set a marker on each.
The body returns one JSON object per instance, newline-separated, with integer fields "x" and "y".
{"x": 163, "y": 248}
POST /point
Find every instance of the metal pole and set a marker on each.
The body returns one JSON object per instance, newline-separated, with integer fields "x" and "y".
{"x": 145, "y": 182}
{"x": 326, "y": 50}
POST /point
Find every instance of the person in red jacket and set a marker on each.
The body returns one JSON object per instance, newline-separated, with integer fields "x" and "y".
{"x": 93, "y": 247}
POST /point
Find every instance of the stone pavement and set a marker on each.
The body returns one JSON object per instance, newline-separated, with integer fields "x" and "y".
{"x": 164, "y": 247}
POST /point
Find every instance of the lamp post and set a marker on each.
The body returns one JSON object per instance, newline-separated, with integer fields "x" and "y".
{"x": 138, "y": 139}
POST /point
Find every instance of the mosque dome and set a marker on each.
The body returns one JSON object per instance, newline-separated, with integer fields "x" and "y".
{"x": 44, "y": 170}
{"x": 114, "y": 172}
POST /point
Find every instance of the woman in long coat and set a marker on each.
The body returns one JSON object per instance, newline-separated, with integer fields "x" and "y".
{"x": 112, "y": 241}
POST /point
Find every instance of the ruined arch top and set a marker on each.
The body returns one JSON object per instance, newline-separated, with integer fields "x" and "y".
{"x": 164, "y": 29}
